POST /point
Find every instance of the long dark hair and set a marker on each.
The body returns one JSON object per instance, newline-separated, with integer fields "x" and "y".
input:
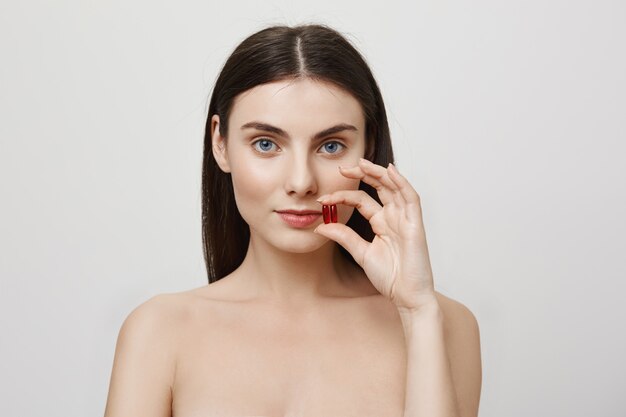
{"x": 281, "y": 52}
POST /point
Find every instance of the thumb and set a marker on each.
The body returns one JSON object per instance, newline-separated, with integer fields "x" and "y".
{"x": 346, "y": 237}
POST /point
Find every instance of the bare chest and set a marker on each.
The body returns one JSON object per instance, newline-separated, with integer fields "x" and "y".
{"x": 348, "y": 360}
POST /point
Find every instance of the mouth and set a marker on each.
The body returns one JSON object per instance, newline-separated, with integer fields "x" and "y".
{"x": 299, "y": 212}
{"x": 296, "y": 219}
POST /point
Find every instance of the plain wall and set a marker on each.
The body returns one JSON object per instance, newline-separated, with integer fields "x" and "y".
{"x": 508, "y": 118}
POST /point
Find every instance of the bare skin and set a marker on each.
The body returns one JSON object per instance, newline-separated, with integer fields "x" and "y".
{"x": 216, "y": 351}
{"x": 237, "y": 357}
{"x": 296, "y": 329}
{"x": 344, "y": 355}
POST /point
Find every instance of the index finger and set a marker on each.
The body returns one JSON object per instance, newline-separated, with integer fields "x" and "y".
{"x": 359, "y": 199}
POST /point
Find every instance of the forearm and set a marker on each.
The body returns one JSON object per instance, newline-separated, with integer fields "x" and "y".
{"x": 429, "y": 388}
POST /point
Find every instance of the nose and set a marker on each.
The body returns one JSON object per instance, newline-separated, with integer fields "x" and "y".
{"x": 300, "y": 178}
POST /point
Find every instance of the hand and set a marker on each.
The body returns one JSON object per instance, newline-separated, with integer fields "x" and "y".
{"x": 396, "y": 261}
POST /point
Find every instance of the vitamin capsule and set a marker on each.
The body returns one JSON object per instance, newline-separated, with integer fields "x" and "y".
{"x": 325, "y": 213}
{"x": 330, "y": 213}
{"x": 333, "y": 213}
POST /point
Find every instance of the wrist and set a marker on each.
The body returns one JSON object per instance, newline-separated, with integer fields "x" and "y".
{"x": 420, "y": 305}
{"x": 427, "y": 318}
{"x": 428, "y": 309}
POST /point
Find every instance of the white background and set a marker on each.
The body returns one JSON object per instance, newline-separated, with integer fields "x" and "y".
{"x": 508, "y": 117}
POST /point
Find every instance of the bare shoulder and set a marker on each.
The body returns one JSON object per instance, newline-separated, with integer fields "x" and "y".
{"x": 163, "y": 311}
{"x": 153, "y": 324}
{"x": 179, "y": 311}
{"x": 456, "y": 312}
{"x": 159, "y": 304}
{"x": 462, "y": 336}
{"x": 145, "y": 360}
{"x": 171, "y": 310}
{"x": 157, "y": 323}
{"x": 460, "y": 326}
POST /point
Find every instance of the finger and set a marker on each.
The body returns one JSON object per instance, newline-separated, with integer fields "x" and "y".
{"x": 378, "y": 172}
{"x": 347, "y": 238}
{"x": 406, "y": 189}
{"x": 357, "y": 172}
{"x": 359, "y": 199}
{"x": 410, "y": 196}
{"x": 382, "y": 175}
{"x": 385, "y": 194}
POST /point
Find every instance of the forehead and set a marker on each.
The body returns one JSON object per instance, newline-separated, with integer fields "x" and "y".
{"x": 298, "y": 105}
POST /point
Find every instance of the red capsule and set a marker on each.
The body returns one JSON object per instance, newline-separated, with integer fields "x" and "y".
{"x": 326, "y": 213}
{"x": 333, "y": 213}
{"x": 329, "y": 213}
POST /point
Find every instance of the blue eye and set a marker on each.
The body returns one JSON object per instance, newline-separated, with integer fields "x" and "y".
{"x": 266, "y": 145}
{"x": 333, "y": 148}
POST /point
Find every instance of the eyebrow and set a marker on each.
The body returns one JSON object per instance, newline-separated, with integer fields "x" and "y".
{"x": 280, "y": 132}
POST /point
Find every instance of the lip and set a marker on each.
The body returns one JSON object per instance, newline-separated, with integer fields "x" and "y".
{"x": 292, "y": 218}
{"x": 299, "y": 212}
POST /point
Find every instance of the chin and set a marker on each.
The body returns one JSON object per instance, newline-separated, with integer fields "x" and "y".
{"x": 300, "y": 244}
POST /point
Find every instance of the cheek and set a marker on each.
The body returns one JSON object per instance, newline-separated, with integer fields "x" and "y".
{"x": 251, "y": 186}
{"x": 340, "y": 182}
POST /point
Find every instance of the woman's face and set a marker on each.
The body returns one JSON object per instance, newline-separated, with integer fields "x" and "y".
{"x": 280, "y": 156}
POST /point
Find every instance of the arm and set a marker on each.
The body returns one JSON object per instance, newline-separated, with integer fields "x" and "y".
{"x": 443, "y": 360}
{"x": 144, "y": 363}
{"x": 443, "y": 375}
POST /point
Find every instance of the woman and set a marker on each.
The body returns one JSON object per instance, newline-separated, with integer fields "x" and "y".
{"x": 301, "y": 317}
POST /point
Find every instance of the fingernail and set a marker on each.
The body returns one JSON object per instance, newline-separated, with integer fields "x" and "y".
{"x": 322, "y": 198}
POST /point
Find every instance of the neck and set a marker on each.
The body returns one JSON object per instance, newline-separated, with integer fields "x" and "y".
{"x": 277, "y": 276}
